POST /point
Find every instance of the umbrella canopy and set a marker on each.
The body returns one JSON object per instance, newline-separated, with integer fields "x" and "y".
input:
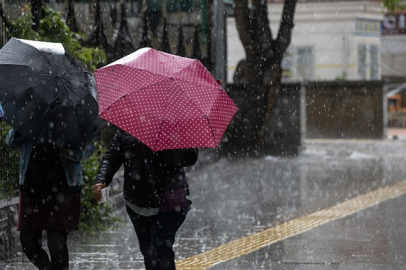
{"x": 47, "y": 94}
{"x": 165, "y": 101}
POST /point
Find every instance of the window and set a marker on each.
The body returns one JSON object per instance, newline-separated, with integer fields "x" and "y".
{"x": 362, "y": 61}
{"x": 305, "y": 66}
{"x": 374, "y": 62}
{"x": 287, "y": 65}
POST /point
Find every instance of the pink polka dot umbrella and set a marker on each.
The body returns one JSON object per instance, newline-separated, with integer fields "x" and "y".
{"x": 165, "y": 101}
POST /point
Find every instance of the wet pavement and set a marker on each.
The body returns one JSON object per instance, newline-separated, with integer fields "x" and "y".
{"x": 240, "y": 199}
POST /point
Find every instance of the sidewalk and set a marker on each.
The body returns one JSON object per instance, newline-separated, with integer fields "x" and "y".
{"x": 270, "y": 213}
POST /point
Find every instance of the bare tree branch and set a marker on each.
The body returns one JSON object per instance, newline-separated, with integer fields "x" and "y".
{"x": 261, "y": 70}
{"x": 244, "y": 26}
{"x": 261, "y": 12}
{"x": 285, "y": 30}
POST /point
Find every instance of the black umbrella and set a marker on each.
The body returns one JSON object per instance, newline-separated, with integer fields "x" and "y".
{"x": 47, "y": 94}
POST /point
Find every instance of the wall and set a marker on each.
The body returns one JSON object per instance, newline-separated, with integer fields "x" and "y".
{"x": 328, "y": 110}
{"x": 393, "y": 56}
{"x": 285, "y": 130}
{"x": 347, "y": 110}
{"x": 8, "y": 223}
{"x": 331, "y": 29}
{"x": 393, "y": 50}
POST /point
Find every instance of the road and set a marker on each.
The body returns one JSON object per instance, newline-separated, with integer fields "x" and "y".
{"x": 337, "y": 205}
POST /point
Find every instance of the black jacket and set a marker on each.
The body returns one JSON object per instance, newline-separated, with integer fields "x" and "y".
{"x": 145, "y": 171}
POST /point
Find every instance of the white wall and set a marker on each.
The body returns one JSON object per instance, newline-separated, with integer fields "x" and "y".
{"x": 235, "y": 50}
{"x": 393, "y": 52}
{"x": 329, "y": 29}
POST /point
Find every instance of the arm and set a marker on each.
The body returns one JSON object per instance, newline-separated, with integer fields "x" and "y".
{"x": 15, "y": 140}
{"x": 111, "y": 162}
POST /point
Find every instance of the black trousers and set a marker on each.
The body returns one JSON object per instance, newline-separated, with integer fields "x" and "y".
{"x": 31, "y": 242}
{"x": 156, "y": 236}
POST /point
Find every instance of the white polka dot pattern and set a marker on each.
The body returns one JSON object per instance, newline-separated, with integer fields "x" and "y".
{"x": 165, "y": 101}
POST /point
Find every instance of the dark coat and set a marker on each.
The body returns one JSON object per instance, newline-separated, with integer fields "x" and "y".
{"x": 145, "y": 172}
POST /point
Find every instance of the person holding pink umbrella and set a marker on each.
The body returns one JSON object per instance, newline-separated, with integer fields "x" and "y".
{"x": 166, "y": 106}
{"x": 156, "y": 193}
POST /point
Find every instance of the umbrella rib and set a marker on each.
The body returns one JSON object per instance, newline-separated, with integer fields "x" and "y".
{"x": 164, "y": 77}
{"x": 162, "y": 122}
{"x": 199, "y": 109}
{"x": 207, "y": 117}
{"x": 190, "y": 81}
{"x": 52, "y": 82}
{"x": 44, "y": 122}
{"x": 211, "y": 128}
{"x": 130, "y": 93}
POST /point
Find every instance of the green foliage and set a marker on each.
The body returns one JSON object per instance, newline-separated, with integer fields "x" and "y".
{"x": 9, "y": 166}
{"x": 108, "y": 133}
{"x": 94, "y": 216}
{"x": 22, "y": 27}
{"x": 93, "y": 57}
{"x": 342, "y": 77}
{"x": 54, "y": 29}
{"x": 392, "y": 5}
{"x": 397, "y": 119}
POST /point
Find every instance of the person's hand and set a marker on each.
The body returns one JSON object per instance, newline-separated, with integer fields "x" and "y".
{"x": 97, "y": 190}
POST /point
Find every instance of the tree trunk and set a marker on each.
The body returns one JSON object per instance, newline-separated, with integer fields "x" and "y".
{"x": 36, "y": 7}
{"x": 70, "y": 17}
{"x": 261, "y": 70}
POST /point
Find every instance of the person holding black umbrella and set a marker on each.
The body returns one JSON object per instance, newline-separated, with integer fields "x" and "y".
{"x": 50, "y": 181}
{"x": 49, "y": 98}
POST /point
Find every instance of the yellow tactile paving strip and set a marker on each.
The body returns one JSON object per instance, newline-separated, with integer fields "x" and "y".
{"x": 288, "y": 229}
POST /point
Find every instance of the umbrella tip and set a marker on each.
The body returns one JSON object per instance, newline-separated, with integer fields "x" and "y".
{"x": 219, "y": 81}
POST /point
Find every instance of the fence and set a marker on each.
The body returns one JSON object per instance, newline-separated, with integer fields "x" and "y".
{"x": 8, "y": 159}
{"x": 2, "y": 29}
{"x": 345, "y": 110}
{"x": 4, "y": 35}
{"x": 285, "y": 129}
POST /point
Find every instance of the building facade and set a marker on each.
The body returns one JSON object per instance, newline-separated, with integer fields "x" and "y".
{"x": 393, "y": 49}
{"x": 331, "y": 40}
